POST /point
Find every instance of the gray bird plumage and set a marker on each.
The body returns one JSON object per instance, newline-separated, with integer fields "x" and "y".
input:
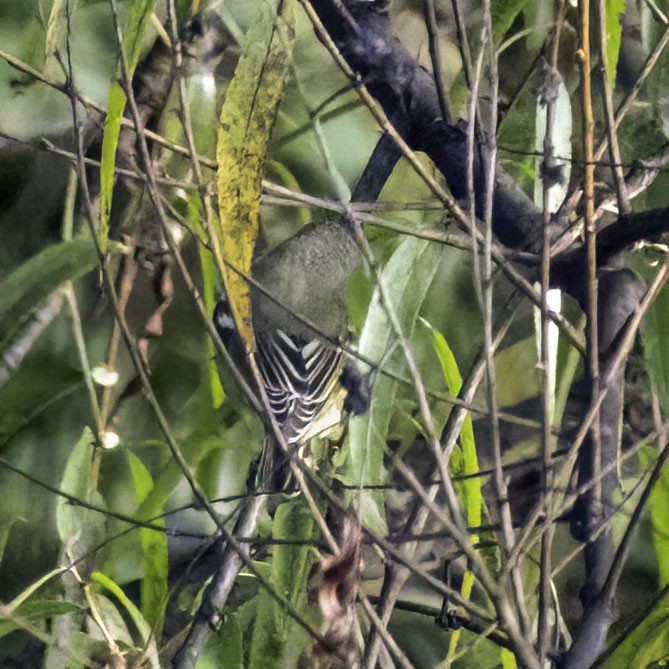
{"x": 309, "y": 274}
{"x": 299, "y": 322}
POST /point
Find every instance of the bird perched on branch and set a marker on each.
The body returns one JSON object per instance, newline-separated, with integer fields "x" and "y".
{"x": 300, "y": 315}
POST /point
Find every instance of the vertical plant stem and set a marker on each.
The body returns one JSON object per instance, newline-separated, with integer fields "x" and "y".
{"x": 609, "y": 116}
{"x": 592, "y": 348}
{"x": 501, "y": 492}
{"x": 435, "y": 56}
{"x": 548, "y": 395}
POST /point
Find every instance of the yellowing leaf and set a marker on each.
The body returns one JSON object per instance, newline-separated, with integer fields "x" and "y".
{"x": 247, "y": 117}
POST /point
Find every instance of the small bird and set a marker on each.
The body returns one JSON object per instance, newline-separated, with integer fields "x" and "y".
{"x": 298, "y": 325}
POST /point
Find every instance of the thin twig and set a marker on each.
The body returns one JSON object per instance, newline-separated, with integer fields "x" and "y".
{"x": 14, "y": 354}
{"x": 136, "y": 357}
{"x": 617, "y": 359}
{"x": 447, "y": 200}
{"x": 615, "y": 571}
{"x": 611, "y": 133}
{"x": 387, "y": 638}
{"x": 499, "y": 254}
{"x": 518, "y": 621}
{"x": 426, "y": 414}
{"x": 435, "y": 57}
{"x": 593, "y": 455}
{"x": 548, "y": 385}
{"x": 626, "y": 104}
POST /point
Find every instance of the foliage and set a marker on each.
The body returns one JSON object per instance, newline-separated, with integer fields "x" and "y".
{"x": 107, "y": 542}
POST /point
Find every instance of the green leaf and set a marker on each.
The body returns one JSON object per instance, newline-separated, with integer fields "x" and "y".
{"x": 655, "y": 339}
{"x": 226, "y": 649}
{"x": 614, "y": 29}
{"x": 24, "y": 289}
{"x": 133, "y": 36}
{"x": 361, "y": 290}
{"x": 504, "y": 13}
{"x": 274, "y": 633}
{"x": 135, "y": 614}
{"x": 115, "y": 107}
{"x": 56, "y": 39}
{"x": 657, "y": 504}
{"x": 202, "y": 101}
{"x": 202, "y": 429}
{"x": 154, "y": 554}
{"x": 406, "y": 278}
{"x": 647, "y": 644}
{"x": 134, "y": 32}
{"x": 111, "y": 616}
{"x": 470, "y": 463}
{"x": 80, "y": 529}
{"x": 30, "y": 392}
{"x": 21, "y": 598}
{"x": 34, "y": 612}
{"x": 516, "y": 369}
{"x": 538, "y": 17}
{"x": 209, "y": 283}
{"x": 471, "y": 487}
{"x": 508, "y": 659}
{"x": 83, "y": 651}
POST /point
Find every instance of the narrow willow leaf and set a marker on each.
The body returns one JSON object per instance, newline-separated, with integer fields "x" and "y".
{"x": 658, "y": 504}
{"x": 209, "y": 289}
{"x": 655, "y": 339}
{"x": 470, "y": 463}
{"x": 471, "y": 487}
{"x": 248, "y": 114}
{"x": 154, "y": 554}
{"x": 55, "y": 48}
{"x": 648, "y": 644}
{"x": 225, "y": 650}
{"x": 29, "y": 393}
{"x": 273, "y": 641}
{"x": 135, "y": 615}
{"x": 81, "y": 530}
{"x": 133, "y": 35}
{"x": 406, "y": 278}
{"x": 202, "y": 101}
{"x": 508, "y": 659}
{"x": 614, "y": 30}
{"x": 33, "y": 611}
{"x": 539, "y": 18}
{"x": 504, "y": 13}
{"x": 24, "y": 289}
{"x": 71, "y": 520}
{"x": 115, "y": 108}
{"x": 26, "y": 594}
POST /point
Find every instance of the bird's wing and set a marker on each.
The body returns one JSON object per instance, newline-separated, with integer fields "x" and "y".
{"x": 299, "y": 377}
